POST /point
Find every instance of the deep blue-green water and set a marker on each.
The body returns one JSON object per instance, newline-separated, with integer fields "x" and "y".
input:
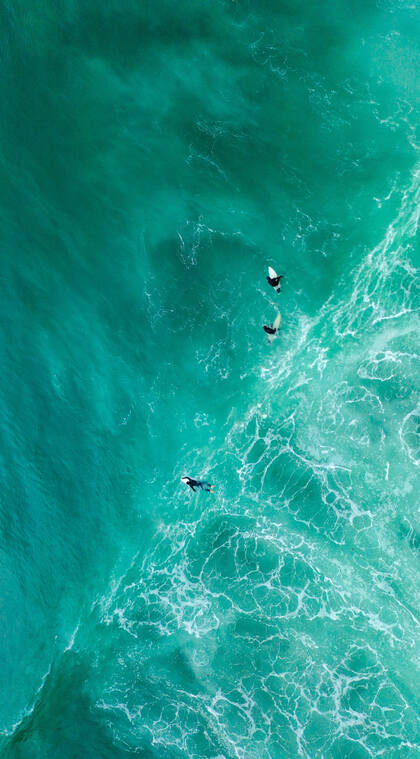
{"x": 155, "y": 157}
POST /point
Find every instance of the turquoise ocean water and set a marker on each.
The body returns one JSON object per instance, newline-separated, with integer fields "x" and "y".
{"x": 154, "y": 158}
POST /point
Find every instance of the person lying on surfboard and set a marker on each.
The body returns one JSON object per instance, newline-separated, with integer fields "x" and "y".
{"x": 273, "y": 328}
{"x": 273, "y": 279}
{"x": 193, "y": 484}
{"x": 269, "y": 329}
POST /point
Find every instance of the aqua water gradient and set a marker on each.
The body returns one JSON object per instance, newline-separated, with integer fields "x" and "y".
{"x": 156, "y": 157}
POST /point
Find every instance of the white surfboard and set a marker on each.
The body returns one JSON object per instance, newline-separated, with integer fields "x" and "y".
{"x": 276, "y": 325}
{"x": 271, "y": 273}
{"x": 276, "y": 322}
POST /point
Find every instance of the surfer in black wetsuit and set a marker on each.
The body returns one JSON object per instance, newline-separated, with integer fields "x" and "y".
{"x": 193, "y": 484}
{"x": 275, "y": 281}
{"x": 270, "y": 330}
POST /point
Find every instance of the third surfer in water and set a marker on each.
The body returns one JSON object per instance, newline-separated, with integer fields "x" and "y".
{"x": 193, "y": 484}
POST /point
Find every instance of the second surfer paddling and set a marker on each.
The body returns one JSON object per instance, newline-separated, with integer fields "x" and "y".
{"x": 273, "y": 328}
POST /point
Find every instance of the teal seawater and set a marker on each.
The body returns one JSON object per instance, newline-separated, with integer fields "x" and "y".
{"x": 154, "y": 158}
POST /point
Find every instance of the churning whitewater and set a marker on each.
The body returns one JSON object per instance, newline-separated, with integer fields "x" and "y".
{"x": 156, "y": 159}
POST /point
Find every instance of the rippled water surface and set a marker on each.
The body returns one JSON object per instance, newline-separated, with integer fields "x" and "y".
{"x": 154, "y": 158}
